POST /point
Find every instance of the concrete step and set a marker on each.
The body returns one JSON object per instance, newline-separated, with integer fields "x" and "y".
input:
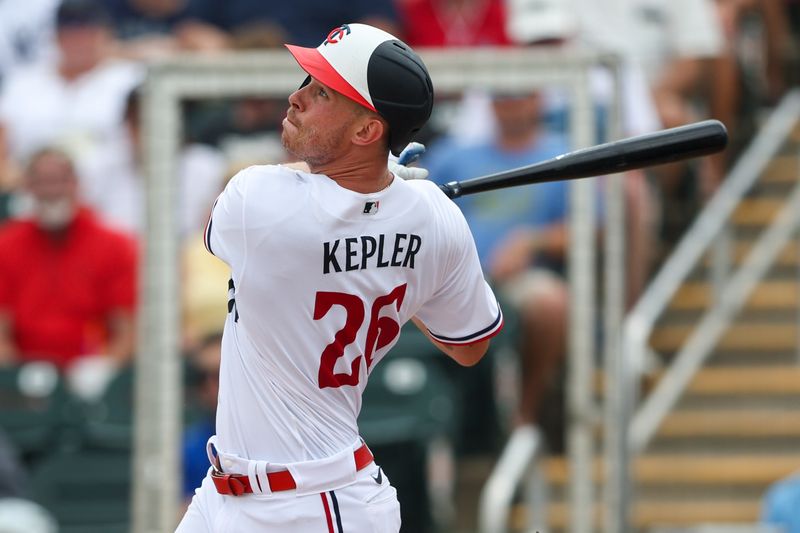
{"x": 720, "y": 381}
{"x": 739, "y": 337}
{"x": 733, "y": 383}
{"x": 731, "y": 423}
{"x": 788, "y": 256}
{"x": 756, "y": 211}
{"x": 768, "y": 294}
{"x": 740, "y": 469}
{"x": 784, "y": 169}
{"x": 650, "y": 514}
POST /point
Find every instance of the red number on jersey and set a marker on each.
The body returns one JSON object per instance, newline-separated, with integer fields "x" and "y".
{"x": 381, "y": 331}
{"x": 354, "y": 309}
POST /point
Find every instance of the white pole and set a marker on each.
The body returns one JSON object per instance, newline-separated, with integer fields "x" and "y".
{"x": 158, "y": 390}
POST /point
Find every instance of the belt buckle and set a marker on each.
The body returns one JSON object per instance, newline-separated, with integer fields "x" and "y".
{"x": 227, "y": 483}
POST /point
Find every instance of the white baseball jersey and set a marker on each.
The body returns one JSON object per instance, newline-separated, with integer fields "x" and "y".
{"x": 322, "y": 280}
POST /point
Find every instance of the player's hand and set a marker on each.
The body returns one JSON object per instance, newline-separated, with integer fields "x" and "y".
{"x": 399, "y": 165}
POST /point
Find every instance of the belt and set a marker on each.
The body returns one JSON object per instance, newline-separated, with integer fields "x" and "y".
{"x": 236, "y": 484}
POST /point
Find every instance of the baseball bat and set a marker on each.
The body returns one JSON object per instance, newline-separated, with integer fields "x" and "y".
{"x": 664, "y": 146}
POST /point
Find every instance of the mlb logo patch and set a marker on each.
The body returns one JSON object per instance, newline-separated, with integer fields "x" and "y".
{"x": 370, "y": 208}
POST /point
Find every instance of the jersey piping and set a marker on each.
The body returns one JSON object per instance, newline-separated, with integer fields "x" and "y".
{"x": 484, "y": 334}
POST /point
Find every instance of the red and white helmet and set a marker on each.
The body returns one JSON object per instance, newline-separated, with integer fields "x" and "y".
{"x": 376, "y": 70}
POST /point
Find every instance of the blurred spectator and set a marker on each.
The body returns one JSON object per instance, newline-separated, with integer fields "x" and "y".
{"x": 440, "y": 23}
{"x": 520, "y": 234}
{"x": 781, "y": 505}
{"x": 780, "y": 31}
{"x": 205, "y": 362}
{"x": 457, "y": 24}
{"x": 300, "y": 22}
{"x": 205, "y": 291}
{"x": 113, "y": 181}
{"x": 76, "y": 102}
{"x": 148, "y": 29}
{"x": 26, "y": 33}
{"x": 666, "y": 59}
{"x": 248, "y": 129}
{"x": 67, "y": 290}
{"x": 755, "y": 69}
{"x": 678, "y": 54}
{"x": 559, "y": 24}
{"x": 9, "y": 177}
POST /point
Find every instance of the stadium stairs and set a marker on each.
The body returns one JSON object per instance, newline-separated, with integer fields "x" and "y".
{"x": 736, "y": 429}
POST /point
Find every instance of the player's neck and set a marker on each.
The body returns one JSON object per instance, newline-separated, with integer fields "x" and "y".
{"x": 365, "y": 176}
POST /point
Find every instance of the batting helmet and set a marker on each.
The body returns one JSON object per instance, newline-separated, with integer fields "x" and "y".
{"x": 376, "y": 70}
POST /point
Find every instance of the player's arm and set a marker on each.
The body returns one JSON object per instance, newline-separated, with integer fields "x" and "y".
{"x": 465, "y": 355}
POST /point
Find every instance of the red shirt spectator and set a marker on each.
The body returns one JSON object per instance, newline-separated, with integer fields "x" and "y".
{"x": 67, "y": 282}
{"x": 438, "y": 23}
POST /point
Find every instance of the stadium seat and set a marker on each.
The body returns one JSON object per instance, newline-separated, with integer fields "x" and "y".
{"x": 109, "y": 419}
{"x": 409, "y": 403}
{"x": 409, "y": 397}
{"x": 37, "y": 411}
{"x": 86, "y": 490}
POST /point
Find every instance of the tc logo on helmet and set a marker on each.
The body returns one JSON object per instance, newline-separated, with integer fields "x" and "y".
{"x": 337, "y": 34}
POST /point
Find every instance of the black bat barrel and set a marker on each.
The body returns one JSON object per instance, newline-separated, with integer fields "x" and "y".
{"x": 665, "y": 146}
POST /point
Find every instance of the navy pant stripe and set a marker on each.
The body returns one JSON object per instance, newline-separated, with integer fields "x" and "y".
{"x": 336, "y": 511}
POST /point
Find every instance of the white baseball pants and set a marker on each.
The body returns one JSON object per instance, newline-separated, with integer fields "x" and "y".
{"x": 367, "y": 506}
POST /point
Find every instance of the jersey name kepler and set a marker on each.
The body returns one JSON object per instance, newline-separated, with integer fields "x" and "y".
{"x": 358, "y": 253}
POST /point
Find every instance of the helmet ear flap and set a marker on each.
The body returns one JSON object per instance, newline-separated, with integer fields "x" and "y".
{"x": 305, "y": 82}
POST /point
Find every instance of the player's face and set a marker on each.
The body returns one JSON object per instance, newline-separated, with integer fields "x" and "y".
{"x": 317, "y": 124}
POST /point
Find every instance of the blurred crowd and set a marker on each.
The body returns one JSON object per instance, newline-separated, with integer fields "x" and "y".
{"x": 72, "y": 185}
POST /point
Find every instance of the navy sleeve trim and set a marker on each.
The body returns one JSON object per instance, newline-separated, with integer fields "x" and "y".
{"x": 487, "y": 332}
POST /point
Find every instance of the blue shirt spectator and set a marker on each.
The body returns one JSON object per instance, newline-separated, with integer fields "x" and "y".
{"x": 492, "y": 215}
{"x": 781, "y": 505}
{"x": 195, "y": 460}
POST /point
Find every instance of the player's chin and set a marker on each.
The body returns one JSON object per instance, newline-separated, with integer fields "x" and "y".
{"x": 290, "y": 145}
{"x": 287, "y": 139}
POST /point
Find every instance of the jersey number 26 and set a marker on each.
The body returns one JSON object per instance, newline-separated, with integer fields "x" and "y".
{"x": 381, "y": 331}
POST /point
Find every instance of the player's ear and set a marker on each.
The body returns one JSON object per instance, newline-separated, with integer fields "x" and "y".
{"x": 369, "y": 129}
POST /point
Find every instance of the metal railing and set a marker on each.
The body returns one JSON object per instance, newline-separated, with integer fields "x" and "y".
{"x": 516, "y": 467}
{"x": 732, "y": 288}
{"x": 710, "y": 223}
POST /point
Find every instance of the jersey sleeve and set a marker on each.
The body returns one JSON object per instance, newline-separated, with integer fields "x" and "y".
{"x": 464, "y": 310}
{"x": 225, "y": 230}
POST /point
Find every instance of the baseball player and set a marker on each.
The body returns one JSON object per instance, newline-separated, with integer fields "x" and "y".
{"x": 329, "y": 259}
